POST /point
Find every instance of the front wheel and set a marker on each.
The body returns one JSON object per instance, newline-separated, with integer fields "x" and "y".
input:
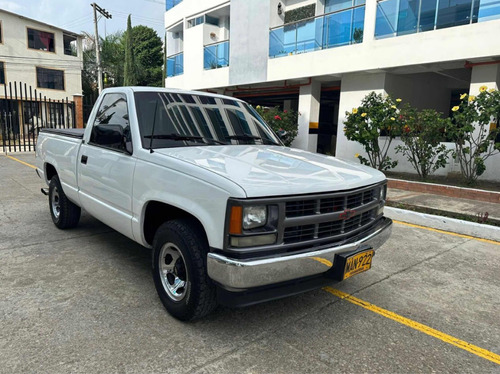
{"x": 180, "y": 270}
{"x": 64, "y": 213}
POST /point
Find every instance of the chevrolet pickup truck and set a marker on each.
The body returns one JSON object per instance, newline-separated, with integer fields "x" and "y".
{"x": 232, "y": 216}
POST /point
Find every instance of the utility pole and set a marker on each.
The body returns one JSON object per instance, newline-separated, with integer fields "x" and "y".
{"x": 103, "y": 12}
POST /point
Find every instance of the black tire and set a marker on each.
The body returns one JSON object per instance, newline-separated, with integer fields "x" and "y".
{"x": 64, "y": 213}
{"x": 181, "y": 246}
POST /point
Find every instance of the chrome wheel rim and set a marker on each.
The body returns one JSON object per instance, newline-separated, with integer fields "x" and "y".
{"x": 55, "y": 203}
{"x": 173, "y": 272}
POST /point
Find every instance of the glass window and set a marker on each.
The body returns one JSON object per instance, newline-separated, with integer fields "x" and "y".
{"x": 336, "y": 5}
{"x": 184, "y": 124}
{"x": 171, "y": 3}
{"x": 41, "y": 40}
{"x": 488, "y": 10}
{"x": 69, "y": 45}
{"x": 453, "y": 13}
{"x": 387, "y": 18}
{"x": 50, "y": 78}
{"x": 1, "y": 33}
{"x": 111, "y": 123}
{"x": 2, "y": 73}
{"x": 196, "y": 21}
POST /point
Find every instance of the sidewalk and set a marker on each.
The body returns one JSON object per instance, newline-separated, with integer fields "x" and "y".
{"x": 449, "y": 206}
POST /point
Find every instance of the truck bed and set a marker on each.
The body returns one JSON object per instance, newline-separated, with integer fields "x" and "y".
{"x": 73, "y": 133}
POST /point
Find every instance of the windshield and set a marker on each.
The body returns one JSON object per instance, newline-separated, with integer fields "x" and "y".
{"x": 180, "y": 120}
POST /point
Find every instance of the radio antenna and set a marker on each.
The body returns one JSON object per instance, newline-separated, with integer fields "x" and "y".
{"x": 153, "y": 130}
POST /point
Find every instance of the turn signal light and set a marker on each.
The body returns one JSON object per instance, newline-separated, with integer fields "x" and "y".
{"x": 235, "y": 220}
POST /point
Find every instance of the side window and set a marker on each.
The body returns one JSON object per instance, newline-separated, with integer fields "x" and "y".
{"x": 111, "y": 128}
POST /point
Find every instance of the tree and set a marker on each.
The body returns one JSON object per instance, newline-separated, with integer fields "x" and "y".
{"x": 148, "y": 53}
{"x": 377, "y": 116}
{"x": 130, "y": 69}
{"x": 475, "y": 131}
{"x": 422, "y": 133}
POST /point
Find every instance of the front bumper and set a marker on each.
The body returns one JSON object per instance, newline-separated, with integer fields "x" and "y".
{"x": 240, "y": 275}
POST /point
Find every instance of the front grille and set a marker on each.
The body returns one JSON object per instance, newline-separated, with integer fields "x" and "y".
{"x": 336, "y": 215}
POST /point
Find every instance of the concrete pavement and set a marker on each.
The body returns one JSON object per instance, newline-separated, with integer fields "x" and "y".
{"x": 83, "y": 301}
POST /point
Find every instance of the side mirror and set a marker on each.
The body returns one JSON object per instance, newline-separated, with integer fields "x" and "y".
{"x": 110, "y": 136}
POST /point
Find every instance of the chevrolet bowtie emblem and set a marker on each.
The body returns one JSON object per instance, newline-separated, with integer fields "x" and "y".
{"x": 346, "y": 214}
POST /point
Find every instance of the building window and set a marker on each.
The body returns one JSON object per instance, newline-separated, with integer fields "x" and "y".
{"x": 69, "y": 45}
{"x": 2, "y": 73}
{"x": 171, "y": 3}
{"x": 1, "y": 33}
{"x": 41, "y": 40}
{"x": 50, "y": 78}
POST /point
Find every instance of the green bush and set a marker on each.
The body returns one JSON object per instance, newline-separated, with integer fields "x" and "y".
{"x": 284, "y": 123}
{"x": 422, "y": 133}
{"x": 475, "y": 131}
{"x": 377, "y": 115}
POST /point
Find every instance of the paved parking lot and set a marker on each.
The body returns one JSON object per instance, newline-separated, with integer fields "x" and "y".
{"x": 83, "y": 301}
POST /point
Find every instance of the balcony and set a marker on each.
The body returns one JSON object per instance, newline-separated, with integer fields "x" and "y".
{"x": 401, "y": 17}
{"x": 334, "y": 29}
{"x": 216, "y": 55}
{"x": 175, "y": 64}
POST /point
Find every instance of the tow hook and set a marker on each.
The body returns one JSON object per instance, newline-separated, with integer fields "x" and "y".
{"x": 45, "y": 191}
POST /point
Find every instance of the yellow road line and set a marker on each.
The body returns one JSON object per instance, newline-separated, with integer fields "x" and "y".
{"x": 493, "y": 357}
{"x": 447, "y": 232}
{"x": 22, "y": 162}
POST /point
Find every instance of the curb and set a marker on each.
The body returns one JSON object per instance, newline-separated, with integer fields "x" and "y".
{"x": 445, "y": 223}
{"x": 445, "y": 190}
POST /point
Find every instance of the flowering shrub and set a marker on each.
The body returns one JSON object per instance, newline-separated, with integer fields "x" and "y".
{"x": 377, "y": 115}
{"x": 284, "y": 123}
{"x": 475, "y": 131}
{"x": 421, "y": 134}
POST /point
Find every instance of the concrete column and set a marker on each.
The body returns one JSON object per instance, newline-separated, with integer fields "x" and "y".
{"x": 354, "y": 88}
{"x": 78, "y": 100}
{"x": 370, "y": 18}
{"x": 309, "y": 100}
{"x": 484, "y": 75}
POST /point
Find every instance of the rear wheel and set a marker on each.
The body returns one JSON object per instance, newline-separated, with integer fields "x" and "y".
{"x": 64, "y": 213}
{"x": 180, "y": 270}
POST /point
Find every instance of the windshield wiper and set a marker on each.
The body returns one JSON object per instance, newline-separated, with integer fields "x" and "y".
{"x": 246, "y": 136}
{"x": 178, "y": 137}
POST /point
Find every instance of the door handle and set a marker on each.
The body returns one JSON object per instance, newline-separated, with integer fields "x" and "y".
{"x": 84, "y": 159}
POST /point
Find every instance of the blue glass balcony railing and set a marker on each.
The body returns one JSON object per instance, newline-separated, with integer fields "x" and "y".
{"x": 175, "y": 65}
{"x": 400, "y": 17}
{"x": 171, "y": 3}
{"x": 330, "y": 30}
{"x": 216, "y": 55}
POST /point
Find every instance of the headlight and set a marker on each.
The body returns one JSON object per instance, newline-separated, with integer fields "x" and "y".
{"x": 254, "y": 216}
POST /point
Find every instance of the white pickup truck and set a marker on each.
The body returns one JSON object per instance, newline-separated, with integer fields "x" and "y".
{"x": 232, "y": 215}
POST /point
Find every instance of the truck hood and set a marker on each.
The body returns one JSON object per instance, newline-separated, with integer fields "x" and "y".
{"x": 277, "y": 171}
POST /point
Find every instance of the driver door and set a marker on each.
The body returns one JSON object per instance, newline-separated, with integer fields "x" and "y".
{"x": 106, "y": 166}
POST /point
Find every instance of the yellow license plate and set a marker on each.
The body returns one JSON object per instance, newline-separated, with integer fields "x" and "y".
{"x": 358, "y": 263}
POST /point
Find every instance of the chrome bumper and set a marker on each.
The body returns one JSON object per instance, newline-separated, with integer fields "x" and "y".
{"x": 243, "y": 274}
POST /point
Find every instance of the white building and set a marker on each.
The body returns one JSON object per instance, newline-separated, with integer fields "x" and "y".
{"x": 40, "y": 79}
{"x": 323, "y": 56}
{"x": 42, "y": 56}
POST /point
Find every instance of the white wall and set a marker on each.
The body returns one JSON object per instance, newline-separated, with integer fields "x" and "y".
{"x": 20, "y": 62}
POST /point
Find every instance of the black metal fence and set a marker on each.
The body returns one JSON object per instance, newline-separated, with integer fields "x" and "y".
{"x": 88, "y": 103}
{"x": 24, "y": 111}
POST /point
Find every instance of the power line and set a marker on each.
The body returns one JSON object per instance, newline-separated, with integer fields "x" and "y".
{"x": 105, "y": 14}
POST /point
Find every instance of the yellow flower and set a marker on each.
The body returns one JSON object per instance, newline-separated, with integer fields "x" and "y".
{"x": 363, "y": 114}
{"x": 258, "y": 107}
{"x": 455, "y": 108}
{"x": 472, "y": 98}
{"x": 483, "y": 88}
{"x": 356, "y": 155}
{"x": 491, "y": 90}
{"x": 354, "y": 110}
{"x": 345, "y": 129}
{"x": 463, "y": 96}
{"x": 393, "y": 119}
{"x": 393, "y": 106}
{"x": 399, "y": 100}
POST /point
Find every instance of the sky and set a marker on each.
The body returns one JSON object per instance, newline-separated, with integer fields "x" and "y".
{"x": 77, "y": 15}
